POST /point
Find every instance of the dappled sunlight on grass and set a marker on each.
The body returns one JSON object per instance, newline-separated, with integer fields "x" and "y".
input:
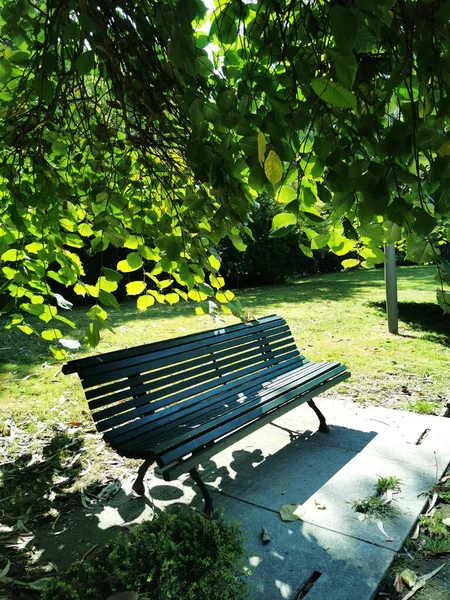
{"x": 338, "y": 316}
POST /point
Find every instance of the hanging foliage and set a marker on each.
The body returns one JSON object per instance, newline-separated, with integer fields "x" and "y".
{"x": 153, "y": 126}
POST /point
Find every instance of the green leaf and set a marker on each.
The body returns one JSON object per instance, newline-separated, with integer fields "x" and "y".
{"x": 213, "y": 261}
{"x": 108, "y": 299}
{"x": 339, "y": 244}
{"x": 343, "y": 202}
{"x": 60, "y": 149}
{"x": 344, "y": 26}
{"x": 134, "y": 288}
{"x": 424, "y": 222}
{"x": 443, "y": 299}
{"x": 421, "y": 252}
{"x": 111, "y": 275}
{"x": 172, "y": 298}
{"x": 283, "y": 220}
{"x": 47, "y": 91}
{"x": 320, "y": 241}
{"x": 173, "y": 250}
{"x": 97, "y": 312}
{"x": 286, "y": 194}
{"x": 133, "y": 262}
{"x": 12, "y": 255}
{"x": 291, "y": 512}
{"x": 92, "y": 335}
{"x": 51, "y": 334}
{"x": 144, "y": 302}
{"x": 372, "y": 256}
{"x": 393, "y": 232}
{"x": 224, "y": 26}
{"x": 346, "y": 68}
{"x": 237, "y": 242}
{"x": 85, "y": 63}
{"x": 19, "y": 58}
{"x": 306, "y": 251}
{"x": 273, "y": 168}
{"x": 333, "y": 93}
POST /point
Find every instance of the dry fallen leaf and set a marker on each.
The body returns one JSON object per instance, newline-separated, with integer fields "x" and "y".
{"x": 398, "y": 583}
{"x": 387, "y": 497}
{"x": 291, "y": 512}
{"x": 416, "y": 532}
{"x": 265, "y": 535}
{"x": 386, "y": 535}
{"x": 421, "y": 582}
{"x": 433, "y": 501}
{"x": 409, "y": 577}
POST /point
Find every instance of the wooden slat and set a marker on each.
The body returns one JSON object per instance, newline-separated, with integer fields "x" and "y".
{"x": 82, "y": 364}
{"x": 158, "y": 367}
{"x": 173, "y": 356}
{"x": 177, "y": 468}
{"x": 223, "y": 403}
{"x": 218, "y": 428}
{"x": 202, "y": 364}
{"x": 202, "y": 391}
{"x": 220, "y": 396}
{"x": 101, "y": 374}
{"x": 315, "y": 373}
{"x": 175, "y": 388}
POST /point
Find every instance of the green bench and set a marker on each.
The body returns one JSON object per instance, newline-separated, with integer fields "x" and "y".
{"x": 178, "y": 402}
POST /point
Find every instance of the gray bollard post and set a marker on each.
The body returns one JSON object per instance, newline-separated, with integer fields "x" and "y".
{"x": 390, "y": 280}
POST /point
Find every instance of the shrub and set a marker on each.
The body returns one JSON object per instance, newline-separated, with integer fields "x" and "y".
{"x": 183, "y": 555}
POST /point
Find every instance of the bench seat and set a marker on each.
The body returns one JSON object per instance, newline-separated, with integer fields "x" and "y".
{"x": 178, "y": 402}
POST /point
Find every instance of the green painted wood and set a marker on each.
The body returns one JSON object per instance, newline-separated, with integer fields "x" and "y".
{"x": 81, "y": 365}
{"x": 177, "y": 468}
{"x": 208, "y": 401}
{"x": 177, "y": 400}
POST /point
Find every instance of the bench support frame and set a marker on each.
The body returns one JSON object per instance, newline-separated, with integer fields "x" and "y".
{"x": 323, "y": 427}
{"x": 138, "y": 486}
{"x": 209, "y": 507}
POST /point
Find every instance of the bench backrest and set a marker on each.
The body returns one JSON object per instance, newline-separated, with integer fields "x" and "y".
{"x": 125, "y": 385}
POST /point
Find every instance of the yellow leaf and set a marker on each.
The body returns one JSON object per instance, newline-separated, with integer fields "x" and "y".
{"x": 262, "y": 145}
{"x": 172, "y": 298}
{"x": 144, "y": 302}
{"x": 349, "y": 263}
{"x": 51, "y": 334}
{"x": 214, "y": 262}
{"x": 273, "y": 168}
{"x": 135, "y": 287}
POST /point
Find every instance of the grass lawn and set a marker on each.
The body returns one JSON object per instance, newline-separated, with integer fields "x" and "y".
{"x": 338, "y": 316}
{"x": 50, "y": 451}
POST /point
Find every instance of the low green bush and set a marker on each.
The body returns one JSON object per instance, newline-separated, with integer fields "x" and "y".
{"x": 183, "y": 555}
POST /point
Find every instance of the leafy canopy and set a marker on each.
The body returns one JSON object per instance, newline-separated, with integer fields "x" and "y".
{"x": 153, "y": 126}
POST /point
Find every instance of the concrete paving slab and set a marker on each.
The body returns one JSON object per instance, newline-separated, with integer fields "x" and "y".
{"x": 290, "y": 462}
{"x": 347, "y": 568}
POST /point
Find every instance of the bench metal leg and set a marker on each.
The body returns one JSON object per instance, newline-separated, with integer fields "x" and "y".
{"x": 323, "y": 427}
{"x": 204, "y": 490}
{"x": 138, "y": 485}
